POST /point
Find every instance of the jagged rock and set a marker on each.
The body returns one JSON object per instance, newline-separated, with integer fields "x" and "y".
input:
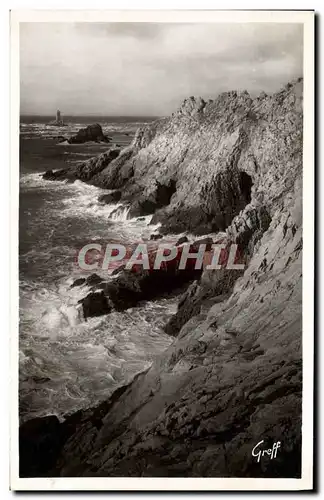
{"x": 58, "y": 175}
{"x": 188, "y": 306}
{"x": 93, "y": 279}
{"x": 117, "y": 270}
{"x": 212, "y": 287}
{"x": 134, "y": 285}
{"x": 233, "y": 375}
{"x": 222, "y": 155}
{"x": 155, "y": 237}
{"x": 119, "y": 212}
{"x": 192, "y": 106}
{"x": 112, "y": 197}
{"x": 182, "y": 240}
{"x": 159, "y": 198}
{"x": 90, "y": 133}
{"x": 203, "y": 241}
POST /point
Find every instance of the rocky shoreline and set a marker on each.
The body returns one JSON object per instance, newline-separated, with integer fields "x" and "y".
{"x": 233, "y": 375}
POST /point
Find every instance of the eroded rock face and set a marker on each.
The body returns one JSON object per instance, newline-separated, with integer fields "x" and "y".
{"x": 161, "y": 197}
{"x": 232, "y": 378}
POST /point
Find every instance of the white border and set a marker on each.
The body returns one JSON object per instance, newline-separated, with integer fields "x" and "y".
{"x": 172, "y": 484}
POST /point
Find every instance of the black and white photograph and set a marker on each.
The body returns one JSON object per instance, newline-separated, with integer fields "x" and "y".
{"x": 164, "y": 179}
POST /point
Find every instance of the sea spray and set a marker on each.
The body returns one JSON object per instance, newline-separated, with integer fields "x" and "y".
{"x": 66, "y": 363}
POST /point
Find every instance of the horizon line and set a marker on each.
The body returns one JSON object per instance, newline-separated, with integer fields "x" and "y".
{"x": 92, "y": 114}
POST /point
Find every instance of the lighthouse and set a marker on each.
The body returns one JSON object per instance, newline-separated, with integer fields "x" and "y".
{"x": 58, "y": 120}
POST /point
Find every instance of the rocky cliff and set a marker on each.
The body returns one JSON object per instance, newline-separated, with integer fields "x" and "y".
{"x": 211, "y": 158}
{"x": 233, "y": 375}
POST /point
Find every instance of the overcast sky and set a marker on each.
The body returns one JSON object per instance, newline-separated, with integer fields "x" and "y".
{"x": 148, "y": 68}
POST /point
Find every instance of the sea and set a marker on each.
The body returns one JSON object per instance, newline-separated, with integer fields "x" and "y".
{"x": 66, "y": 363}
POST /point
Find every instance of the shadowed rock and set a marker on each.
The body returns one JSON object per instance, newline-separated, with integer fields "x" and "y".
{"x": 39, "y": 443}
{"x": 78, "y": 282}
{"x": 155, "y": 237}
{"x": 182, "y": 240}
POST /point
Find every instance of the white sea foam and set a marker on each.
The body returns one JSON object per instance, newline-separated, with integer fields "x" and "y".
{"x": 81, "y": 201}
{"x": 35, "y": 180}
{"x": 67, "y": 363}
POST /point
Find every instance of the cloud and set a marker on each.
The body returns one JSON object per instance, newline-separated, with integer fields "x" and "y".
{"x": 149, "y": 68}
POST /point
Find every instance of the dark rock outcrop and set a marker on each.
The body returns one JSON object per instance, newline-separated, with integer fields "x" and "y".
{"x": 78, "y": 282}
{"x": 155, "y": 237}
{"x": 233, "y": 375}
{"x": 90, "y": 133}
{"x": 120, "y": 172}
{"x": 134, "y": 285}
{"x": 84, "y": 171}
{"x": 42, "y": 439}
{"x": 158, "y": 199}
{"x": 182, "y": 240}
